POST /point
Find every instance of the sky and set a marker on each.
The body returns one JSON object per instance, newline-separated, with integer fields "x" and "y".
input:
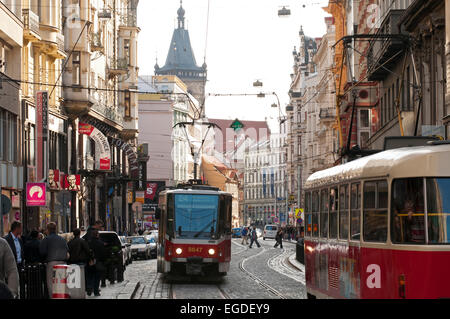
{"x": 246, "y": 41}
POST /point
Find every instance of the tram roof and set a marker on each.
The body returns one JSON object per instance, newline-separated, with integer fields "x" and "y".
{"x": 421, "y": 161}
{"x": 195, "y": 191}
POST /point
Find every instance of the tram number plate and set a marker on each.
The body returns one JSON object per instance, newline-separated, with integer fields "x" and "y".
{"x": 195, "y": 249}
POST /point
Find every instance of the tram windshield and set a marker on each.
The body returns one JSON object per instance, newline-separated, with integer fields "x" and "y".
{"x": 196, "y": 216}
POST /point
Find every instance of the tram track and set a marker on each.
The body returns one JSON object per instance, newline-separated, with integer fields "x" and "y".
{"x": 257, "y": 279}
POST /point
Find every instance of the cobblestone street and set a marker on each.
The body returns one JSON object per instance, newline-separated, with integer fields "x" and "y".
{"x": 257, "y": 273}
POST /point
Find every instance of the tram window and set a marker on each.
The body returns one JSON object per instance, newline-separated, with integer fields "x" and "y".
{"x": 375, "y": 211}
{"x": 333, "y": 212}
{"x": 355, "y": 212}
{"x": 323, "y": 213}
{"x": 343, "y": 212}
{"x": 308, "y": 214}
{"x": 170, "y": 216}
{"x": 408, "y": 214}
{"x": 315, "y": 214}
{"x": 438, "y": 202}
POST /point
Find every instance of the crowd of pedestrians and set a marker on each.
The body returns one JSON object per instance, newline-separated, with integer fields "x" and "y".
{"x": 49, "y": 248}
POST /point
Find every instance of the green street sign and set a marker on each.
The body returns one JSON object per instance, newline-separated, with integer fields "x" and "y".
{"x": 237, "y": 125}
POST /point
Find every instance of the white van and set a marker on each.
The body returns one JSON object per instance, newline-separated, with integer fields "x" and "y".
{"x": 270, "y": 231}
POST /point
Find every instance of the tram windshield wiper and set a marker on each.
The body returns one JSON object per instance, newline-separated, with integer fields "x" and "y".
{"x": 204, "y": 228}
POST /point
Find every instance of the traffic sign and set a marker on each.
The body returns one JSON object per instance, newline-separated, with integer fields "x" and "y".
{"x": 298, "y": 213}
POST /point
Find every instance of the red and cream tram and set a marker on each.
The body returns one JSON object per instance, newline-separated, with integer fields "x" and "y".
{"x": 194, "y": 231}
{"x": 379, "y": 227}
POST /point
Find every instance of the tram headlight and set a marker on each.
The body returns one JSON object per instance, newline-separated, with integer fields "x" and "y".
{"x": 211, "y": 251}
{"x": 179, "y": 251}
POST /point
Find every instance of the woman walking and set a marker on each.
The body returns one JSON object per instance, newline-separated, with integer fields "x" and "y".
{"x": 279, "y": 239}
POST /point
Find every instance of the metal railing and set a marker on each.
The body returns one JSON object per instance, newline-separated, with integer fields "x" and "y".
{"x": 30, "y": 20}
{"x": 109, "y": 112}
{"x": 60, "y": 42}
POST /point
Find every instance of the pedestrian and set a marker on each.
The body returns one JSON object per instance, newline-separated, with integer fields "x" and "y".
{"x": 244, "y": 236}
{"x": 16, "y": 244}
{"x": 279, "y": 239}
{"x": 9, "y": 274}
{"x": 254, "y": 237}
{"x": 54, "y": 251}
{"x": 5, "y": 292}
{"x": 78, "y": 249}
{"x": 31, "y": 249}
{"x": 96, "y": 266}
{"x": 98, "y": 225}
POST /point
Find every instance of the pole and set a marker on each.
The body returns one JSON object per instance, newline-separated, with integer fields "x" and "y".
{"x": 1, "y": 214}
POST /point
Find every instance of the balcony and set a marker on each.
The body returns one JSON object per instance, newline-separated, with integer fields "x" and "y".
{"x": 104, "y": 14}
{"x": 384, "y": 50}
{"x": 327, "y": 114}
{"x": 129, "y": 20}
{"x": 118, "y": 67}
{"x": 96, "y": 42}
{"x": 109, "y": 113}
{"x": 31, "y": 26}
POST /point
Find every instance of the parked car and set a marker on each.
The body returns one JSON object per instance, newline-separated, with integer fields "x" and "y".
{"x": 115, "y": 265}
{"x": 140, "y": 247}
{"x": 152, "y": 241}
{"x": 270, "y": 231}
{"x": 236, "y": 232}
{"x": 127, "y": 250}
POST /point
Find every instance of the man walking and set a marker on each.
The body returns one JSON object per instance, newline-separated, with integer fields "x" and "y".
{"x": 16, "y": 244}
{"x": 244, "y": 236}
{"x": 94, "y": 272}
{"x": 8, "y": 268}
{"x": 54, "y": 251}
{"x": 32, "y": 254}
{"x": 254, "y": 237}
{"x": 78, "y": 249}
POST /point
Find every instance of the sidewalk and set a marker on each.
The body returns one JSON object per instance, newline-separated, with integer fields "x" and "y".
{"x": 294, "y": 262}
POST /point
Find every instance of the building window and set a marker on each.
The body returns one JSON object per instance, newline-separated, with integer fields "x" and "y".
{"x": 364, "y": 127}
{"x": 76, "y": 68}
{"x": 8, "y": 136}
{"x": 126, "y": 49}
{"x": 127, "y": 102}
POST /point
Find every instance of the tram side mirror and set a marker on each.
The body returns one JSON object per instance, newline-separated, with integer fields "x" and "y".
{"x": 158, "y": 213}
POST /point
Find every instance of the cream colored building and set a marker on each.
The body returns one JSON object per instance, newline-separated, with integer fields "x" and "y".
{"x": 312, "y": 137}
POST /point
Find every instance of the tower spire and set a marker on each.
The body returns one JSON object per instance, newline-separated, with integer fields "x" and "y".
{"x": 181, "y": 13}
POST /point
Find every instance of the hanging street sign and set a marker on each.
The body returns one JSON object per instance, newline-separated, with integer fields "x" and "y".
{"x": 237, "y": 125}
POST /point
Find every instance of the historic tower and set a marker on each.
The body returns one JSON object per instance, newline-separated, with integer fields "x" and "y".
{"x": 181, "y": 61}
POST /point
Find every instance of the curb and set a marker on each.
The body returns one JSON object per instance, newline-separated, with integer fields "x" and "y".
{"x": 138, "y": 284}
{"x": 294, "y": 264}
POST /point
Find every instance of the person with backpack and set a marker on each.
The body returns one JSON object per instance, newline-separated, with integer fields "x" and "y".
{"x": 244, "y": 236}
{"x": 254, "y": 237}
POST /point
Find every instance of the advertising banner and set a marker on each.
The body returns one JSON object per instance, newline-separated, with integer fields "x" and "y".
{"x": 54, "y": 179}
{"x": 36, "y": 194}
{"x": 264, "y": 184}
{"x": 131, "y": 155}
{"x": 41, "y": 133}
{"x": 102, "y": 148}
{"x": 151, "y": 194}
{"x": 272, "y": 183}
{"x": 72, "y": 182}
